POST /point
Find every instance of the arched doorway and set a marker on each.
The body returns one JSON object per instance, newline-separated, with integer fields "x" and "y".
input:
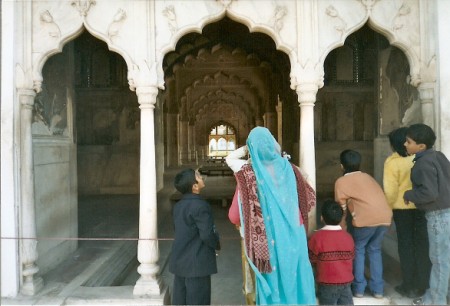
{"x": 86, "y": 134}
{"x": 226, "y": 74}
{"x": 365, "y": 96}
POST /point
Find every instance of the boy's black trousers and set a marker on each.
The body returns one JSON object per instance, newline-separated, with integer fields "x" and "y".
{"x": 191, "y": 290}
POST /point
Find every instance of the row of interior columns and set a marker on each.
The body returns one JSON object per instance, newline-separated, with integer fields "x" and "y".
{"x": 148, "y": 250}
{"x": 187, "y": 138}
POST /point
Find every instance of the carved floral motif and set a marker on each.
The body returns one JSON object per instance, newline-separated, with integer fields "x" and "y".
{"x": 169, "y": 13}
{"x": 278, "y": 16}
{"x": 369, "y": 4}
{"x": 114, "y": 27}
{"x": 226, "y": 3}
{"x": 398, "y": 21}
{"x": 83, "y": 6}
{"x": 53, "y": 29}
{"x": 340, "y": 24}
{"x": 51, "y": 111}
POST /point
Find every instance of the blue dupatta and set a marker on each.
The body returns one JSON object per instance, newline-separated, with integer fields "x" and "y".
{"x": 291, "y": 280}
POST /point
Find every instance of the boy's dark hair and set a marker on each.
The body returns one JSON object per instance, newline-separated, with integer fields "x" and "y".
{"x": 397, "y": 139}
{"x": 185, "y": 180}
{"x": 331, "y": 212}
{"x": 422, "y": 134}
{"x": 350, "y": 160}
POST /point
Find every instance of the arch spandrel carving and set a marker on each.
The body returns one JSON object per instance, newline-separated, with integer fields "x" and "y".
{"x": 336, "y": 21}
{"x": 57, "y": 22}
{"x": 395, "y": 19}
{"x": 400, "y": 22}
{"x": 277, "y": 20}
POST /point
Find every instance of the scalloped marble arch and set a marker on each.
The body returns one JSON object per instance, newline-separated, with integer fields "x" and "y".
{"x": 206, "y": 101}
{"x": 413, "y": 59}
{"x": 197, "y": 28}
{"x": 208, "y": 77}
{"x": 41, "y": 59}
{"x": 392, "y": 37}
{"x": 205, "y": 112}
{"x": 39, "y": 62}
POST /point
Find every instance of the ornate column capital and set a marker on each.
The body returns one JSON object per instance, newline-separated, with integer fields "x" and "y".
{"x": 415, "y": 80}
{"x": 26, "y": 97}
{"x": 147, "y": 96}
{"x": 426, "y": 92}
{"x": 307, "y": 93}
{"x": 306, "y": 81}
{"x": 143, "y": 75}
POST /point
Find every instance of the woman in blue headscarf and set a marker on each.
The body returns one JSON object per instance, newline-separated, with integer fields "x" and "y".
{"x": 274, "y": 200}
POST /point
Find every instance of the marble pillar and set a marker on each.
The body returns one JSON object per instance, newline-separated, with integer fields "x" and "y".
{"x": 191, "y": 142}
{"x": 183, "y": 142}
{"x": 271, "y": 122}
{"x": 149, "y": 282}
{"x": 443, "y": 115}
{"x": 279, "y": 109}
{"x": 31, "y": 284}
{"x": 307, "y": 162}
{"x": 172, "y": 139}
{"x": 259, "y": 121}
{"x": 426, "y": 92}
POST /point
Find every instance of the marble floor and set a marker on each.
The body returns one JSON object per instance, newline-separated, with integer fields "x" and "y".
{"x": 116, "y": 216}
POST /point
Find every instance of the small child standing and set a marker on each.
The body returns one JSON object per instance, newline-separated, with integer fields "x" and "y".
{"x": 430, "y": 192}
{"x": 193, "y": 257}
{"x": 371, "y": 218}
{"x": 331, "y": 250}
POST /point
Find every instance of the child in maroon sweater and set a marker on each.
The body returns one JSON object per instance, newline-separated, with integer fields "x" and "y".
{"x": 331, "y": 250}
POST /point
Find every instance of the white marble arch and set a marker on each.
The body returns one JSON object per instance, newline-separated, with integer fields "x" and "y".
{"x": 308, "y": 30}
{"x": 305, "y": 30}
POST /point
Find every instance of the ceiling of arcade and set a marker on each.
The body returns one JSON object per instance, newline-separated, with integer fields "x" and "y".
{"x": 224, "y": 68}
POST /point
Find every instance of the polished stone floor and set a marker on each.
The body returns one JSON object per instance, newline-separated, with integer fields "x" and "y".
{"x": 85, "y": 273}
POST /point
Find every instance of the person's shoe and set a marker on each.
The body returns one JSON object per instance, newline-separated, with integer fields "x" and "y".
{"x": 378, "y": 295}
{"x": 418, "y": 301}
{"x": 358, "y": 295}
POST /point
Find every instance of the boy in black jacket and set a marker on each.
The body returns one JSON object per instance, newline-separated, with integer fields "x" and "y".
{"x": 430, "y": 192}
{"x": 193, "y": 257}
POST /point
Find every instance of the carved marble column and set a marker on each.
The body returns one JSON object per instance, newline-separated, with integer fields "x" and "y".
{"x": 426, "y": 92}
{"x": 172, "y": 139}
{"x": 279, "y": 109}
{"x": 148, "y": 252}
{"x": 183, "y": 141}
{"x": 271, "y": 122}
{"x": 307, "y": 97}
{"x": 31, "y": 284}
{"x": 191, "y": 141}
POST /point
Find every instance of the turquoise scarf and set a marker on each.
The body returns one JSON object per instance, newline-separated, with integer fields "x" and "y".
{"x": 291, "y": 280}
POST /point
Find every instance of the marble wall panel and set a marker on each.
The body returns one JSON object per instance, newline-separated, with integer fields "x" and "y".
{"x": 56, "y": 212}
{"x": 328, "y": 165}
{"x": 345, "y": 120}
{"x": 108, "y": 169}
